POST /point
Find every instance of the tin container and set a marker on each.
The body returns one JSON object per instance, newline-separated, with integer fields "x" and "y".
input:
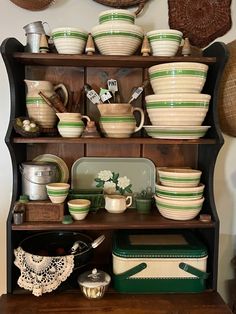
{"x": 158, "y": 263}
{"x": 35, "y": 176}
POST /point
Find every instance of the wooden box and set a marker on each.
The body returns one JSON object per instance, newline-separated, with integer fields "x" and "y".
{"x": 43, "y": 211}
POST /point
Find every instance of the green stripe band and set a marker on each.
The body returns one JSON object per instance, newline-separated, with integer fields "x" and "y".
{"x": 178, "y": 194}
{"x": 179, "y": 207}
{"x": 169, "y": 37}
{"x": 178, "y": 179}
{"x": 70, "y": 124}
{"x": 109, "y": 17}
{"x": 34, "y": 100}
{"x": 177, "y": 104}
{"x": 177, "y": 72}
{"x": 72, "y": 34}
{"x": 117, "y": 33}
{"x": 116, "y": 119}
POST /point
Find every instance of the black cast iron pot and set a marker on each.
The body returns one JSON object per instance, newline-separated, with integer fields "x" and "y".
{"x": 61, "y": 243}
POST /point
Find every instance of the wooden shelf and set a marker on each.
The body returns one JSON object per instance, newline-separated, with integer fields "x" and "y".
{"x": 104, "y": 141}
{"x": 54, "y": 59}
{"x": 64, "y": 303}
{"x": 130, "y": 219}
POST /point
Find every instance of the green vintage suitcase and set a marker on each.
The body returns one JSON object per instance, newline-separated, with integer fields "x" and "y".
{"x": 158, "y": 262}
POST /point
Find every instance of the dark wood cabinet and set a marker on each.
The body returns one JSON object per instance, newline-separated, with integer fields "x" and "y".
{"x": 74, "y": 71}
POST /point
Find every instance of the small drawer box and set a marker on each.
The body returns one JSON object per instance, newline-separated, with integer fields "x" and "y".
{"x": 153, "y": 263}
{"x": 43, "y": 211}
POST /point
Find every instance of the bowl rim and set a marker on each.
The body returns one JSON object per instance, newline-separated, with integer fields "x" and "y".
{"x": 68, "y": 28}
{"x": 164, "y": 31}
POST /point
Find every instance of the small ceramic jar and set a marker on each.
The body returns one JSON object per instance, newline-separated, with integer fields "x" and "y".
{"x": 94, "y": 283}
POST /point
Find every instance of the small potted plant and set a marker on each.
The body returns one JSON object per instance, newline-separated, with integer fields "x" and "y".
{"x": 143, "y": 201}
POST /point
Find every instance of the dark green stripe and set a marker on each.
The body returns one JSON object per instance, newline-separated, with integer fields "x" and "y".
{"x": 70, "y": 124}
{"x": 178, "y": 194}
{"x": 178, "y": 207}
{"x": 177, "y": 179}
{"x": 117, "y": 33}
{"x": 33, "y": 100}
{"x": 116, "y": 119}
{"x": 177, "y": 104}
{"x": 160, "y": 37}
{"x": 56, "y": 193}
{"x": 177, "y": 72}
{"x": 118, "y": 16}
{"x": 72, "y": 34}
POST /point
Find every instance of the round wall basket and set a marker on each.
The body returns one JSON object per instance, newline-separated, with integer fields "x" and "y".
{"x": 124, "y": 4}
{"x": 33, "y": 5}
{"x": 227, "y": 94}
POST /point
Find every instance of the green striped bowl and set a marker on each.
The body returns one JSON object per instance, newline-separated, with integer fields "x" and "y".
{"x": 57, "y": 192}
{"x": 178, "y": 210}
{"x": 69, "y": 40}
{"x": 178, "y": 77}
{"x": 177, "y": 109}
{"x": 164, "y": 42}
{"x": 116, "y": 15}
{"x": 117, "y": 38}
{"x": 180, "y": 193}
{"x": 179, "y": 177}
{"x": 176, "y": 132}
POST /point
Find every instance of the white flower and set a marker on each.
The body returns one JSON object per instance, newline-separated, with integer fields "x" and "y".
{"x": 105, "y": 175}
{"x": 109, "y": 187}
{"x": 123, "y": 182}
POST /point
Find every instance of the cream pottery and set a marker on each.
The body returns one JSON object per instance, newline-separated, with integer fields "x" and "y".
{"x": 37, "y": 108}
{"x": 71, "y": 124}
{"x": 117, "y": 203}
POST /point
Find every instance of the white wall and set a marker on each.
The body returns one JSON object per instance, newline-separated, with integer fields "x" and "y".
{"x": 84, "y": 13}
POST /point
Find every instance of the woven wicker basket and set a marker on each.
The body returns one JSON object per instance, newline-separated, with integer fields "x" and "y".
{"x": 227, "y": 94}
{"x": 124, "y": 4}
{"x": 33, "y": 5}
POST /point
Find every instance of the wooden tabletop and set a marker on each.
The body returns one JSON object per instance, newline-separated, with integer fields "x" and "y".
{"x": 62, "y": 303}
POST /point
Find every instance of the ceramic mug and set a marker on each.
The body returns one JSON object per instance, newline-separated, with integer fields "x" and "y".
{"x": 117, "y": 203}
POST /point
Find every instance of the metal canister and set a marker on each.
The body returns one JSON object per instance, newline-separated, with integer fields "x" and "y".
{"x": 33, "y": 32}
{"x": 35, "y": 176}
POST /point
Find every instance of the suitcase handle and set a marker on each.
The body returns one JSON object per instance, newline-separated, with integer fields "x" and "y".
{"x": 194, "y": 271}
{"x": 132, "y": 271}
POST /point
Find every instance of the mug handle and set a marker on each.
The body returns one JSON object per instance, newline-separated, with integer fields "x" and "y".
{"x": 129, "y": 199}
{"x": 65, "y": 92}
{"x": 142, "y": 119}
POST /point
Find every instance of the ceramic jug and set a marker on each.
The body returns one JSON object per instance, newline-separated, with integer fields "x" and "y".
{"x": 117, "y": 203}
{"x": 37, "y": 108}
{"x": 70, "y": 124}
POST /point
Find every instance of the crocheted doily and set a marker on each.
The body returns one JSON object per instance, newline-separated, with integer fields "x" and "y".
{"x": 41, "y": 274}
{"x": 202, "y": 21}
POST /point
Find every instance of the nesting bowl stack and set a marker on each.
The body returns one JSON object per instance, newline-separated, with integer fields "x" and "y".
{"x": 177, "y": 108}
{"x": 179, "y": 193}
{"x": 117, "y": 33}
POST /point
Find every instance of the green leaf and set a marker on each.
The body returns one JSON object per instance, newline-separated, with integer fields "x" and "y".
{"x": 115, "y": 176}
{"x": 128, "y": 189}
{"x": 97, "y": 180}
{"x": 99, "y": 184}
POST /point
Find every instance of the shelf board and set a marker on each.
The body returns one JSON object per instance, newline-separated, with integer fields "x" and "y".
{"x": 130, "y": 219}
{"x": 191, "y": 303}
{"x": 54, "y": 59}
{"x": 132, "y": 140}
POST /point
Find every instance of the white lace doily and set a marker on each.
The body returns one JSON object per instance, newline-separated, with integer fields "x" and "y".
{"x": 41, "y": 274}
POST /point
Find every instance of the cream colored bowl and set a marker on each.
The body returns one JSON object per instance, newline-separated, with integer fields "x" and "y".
{"x": 117, "y": 15}
{"x": 180, "y": 193}
{"x": 177, "y": 109}
{"x": 117, "y": 38}
{"x": 164, "y": 42}
{"x": 178, "y": 210}
{"x": 57, "y": 192}
{"x": 179, "y": 177}
{"x": 69, "y": 40}
{"x": 178, "y": 77}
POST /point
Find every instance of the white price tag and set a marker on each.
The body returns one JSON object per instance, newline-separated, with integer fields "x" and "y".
{"x": 93, "y": 96}
{"x": 112, "y": 85}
